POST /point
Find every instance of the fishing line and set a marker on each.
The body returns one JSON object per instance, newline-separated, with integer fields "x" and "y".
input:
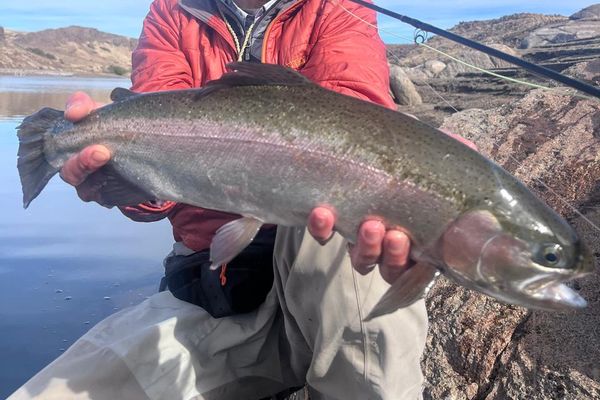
{"x": 495, "y": 144}
{"x": 441, "y": 97}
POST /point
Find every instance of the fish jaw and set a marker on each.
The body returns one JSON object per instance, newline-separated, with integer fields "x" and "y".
{"x": 548, "y": 293}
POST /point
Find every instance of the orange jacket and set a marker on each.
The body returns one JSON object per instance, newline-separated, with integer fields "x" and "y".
{"x": 186, "y": 44}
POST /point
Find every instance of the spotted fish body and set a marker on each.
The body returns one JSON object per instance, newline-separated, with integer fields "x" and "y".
{"x": 265, "y": 143}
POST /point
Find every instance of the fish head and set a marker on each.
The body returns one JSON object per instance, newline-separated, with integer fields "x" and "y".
{"x": 516, "y": 253}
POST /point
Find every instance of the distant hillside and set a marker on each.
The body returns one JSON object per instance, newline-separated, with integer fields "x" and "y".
{"x": 71, "y": 50}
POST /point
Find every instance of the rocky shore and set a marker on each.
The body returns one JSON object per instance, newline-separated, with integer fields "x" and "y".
{"x": 480, "y": 349}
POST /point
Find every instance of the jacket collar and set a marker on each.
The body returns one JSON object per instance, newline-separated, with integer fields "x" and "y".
{"x": 207, "y": 12}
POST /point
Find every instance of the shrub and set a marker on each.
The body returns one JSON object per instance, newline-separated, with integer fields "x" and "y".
{"x": 41, "y": 53}
{"x": 117, "y": 70}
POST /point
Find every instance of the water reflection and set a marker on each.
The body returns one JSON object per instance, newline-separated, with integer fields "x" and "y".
{"x": 23, "y": 95}
{"x": 64, "y": 264}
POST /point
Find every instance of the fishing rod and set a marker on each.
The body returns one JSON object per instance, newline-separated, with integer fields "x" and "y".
{"x": 537, "y": 69}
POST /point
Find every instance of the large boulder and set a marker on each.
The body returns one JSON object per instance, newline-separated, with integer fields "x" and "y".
{"x": 480, "y": 349}
{"x": 434, "y": 67}
{"x": 402, "y": 88}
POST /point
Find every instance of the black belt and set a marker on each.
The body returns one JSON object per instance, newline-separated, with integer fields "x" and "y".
{"x": 249, "y": 278}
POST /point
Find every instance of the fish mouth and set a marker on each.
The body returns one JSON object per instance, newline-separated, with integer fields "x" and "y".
{"x": 554, "y": 296}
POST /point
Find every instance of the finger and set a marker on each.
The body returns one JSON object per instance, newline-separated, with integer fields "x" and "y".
{"x": 78, "y": 167}
{"x": 79, "y": 105}
{"x": 320, "y": 224}
{"x": 367, "y": 250}
{"x": 395, "y": 259}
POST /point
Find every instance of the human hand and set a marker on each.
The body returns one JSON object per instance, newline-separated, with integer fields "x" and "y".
{"x": 375, "y": 244}
{"x": 77, "y": 168}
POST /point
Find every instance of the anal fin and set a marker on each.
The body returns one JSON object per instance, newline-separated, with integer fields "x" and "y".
{"x": 408, "y": 288}
{"x": 231, "y": 239}
{"x": 114, "y": 190}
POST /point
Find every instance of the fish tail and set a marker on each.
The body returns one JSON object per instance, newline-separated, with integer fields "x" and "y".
{"x": 34, "y": 170}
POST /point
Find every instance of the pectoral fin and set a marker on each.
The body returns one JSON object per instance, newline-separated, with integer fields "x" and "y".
{"x": 408, "y": 288}
{"x": 231, "y": 239}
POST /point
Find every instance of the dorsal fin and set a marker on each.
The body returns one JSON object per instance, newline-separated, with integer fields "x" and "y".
{"x": 254, "y": 74}
{"x": 120, "y": 93}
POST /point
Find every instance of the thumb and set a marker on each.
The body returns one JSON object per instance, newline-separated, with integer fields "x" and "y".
{"x": 79, "y": 105}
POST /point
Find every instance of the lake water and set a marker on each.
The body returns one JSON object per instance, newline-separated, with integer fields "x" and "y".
{"x": 64, "y": 264}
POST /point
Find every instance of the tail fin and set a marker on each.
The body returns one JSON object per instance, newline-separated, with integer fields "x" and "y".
{"x": 34, "y": 170}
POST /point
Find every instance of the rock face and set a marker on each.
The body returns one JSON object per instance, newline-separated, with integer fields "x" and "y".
{"x": 479, "y": 349}
{"x": 2, "y": 38}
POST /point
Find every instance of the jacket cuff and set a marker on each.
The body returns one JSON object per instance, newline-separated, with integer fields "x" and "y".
{"x": 149, "y": 211}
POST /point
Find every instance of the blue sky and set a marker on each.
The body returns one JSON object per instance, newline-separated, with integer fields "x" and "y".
{"x": 125, "y": 16}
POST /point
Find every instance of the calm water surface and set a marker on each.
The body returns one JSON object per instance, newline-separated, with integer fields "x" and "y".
{"x": 64, "y": 264}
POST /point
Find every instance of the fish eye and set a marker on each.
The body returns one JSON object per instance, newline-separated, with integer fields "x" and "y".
{"x": 552, "y": 254}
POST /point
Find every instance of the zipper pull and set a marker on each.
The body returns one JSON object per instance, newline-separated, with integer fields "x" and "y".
{"x": 248, "y": 22}
{"x": 248, "y": 26}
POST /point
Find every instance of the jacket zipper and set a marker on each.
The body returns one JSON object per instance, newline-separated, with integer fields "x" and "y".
{"x": 248, "y": 25}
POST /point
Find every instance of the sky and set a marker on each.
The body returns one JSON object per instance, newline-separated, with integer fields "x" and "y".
{"x": 125, "y": 17}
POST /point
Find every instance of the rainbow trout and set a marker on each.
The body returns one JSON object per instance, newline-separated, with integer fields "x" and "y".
{"x": 266, "y": 143}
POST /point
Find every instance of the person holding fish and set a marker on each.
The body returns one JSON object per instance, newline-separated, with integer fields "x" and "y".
{"x": 290, "y": 309}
